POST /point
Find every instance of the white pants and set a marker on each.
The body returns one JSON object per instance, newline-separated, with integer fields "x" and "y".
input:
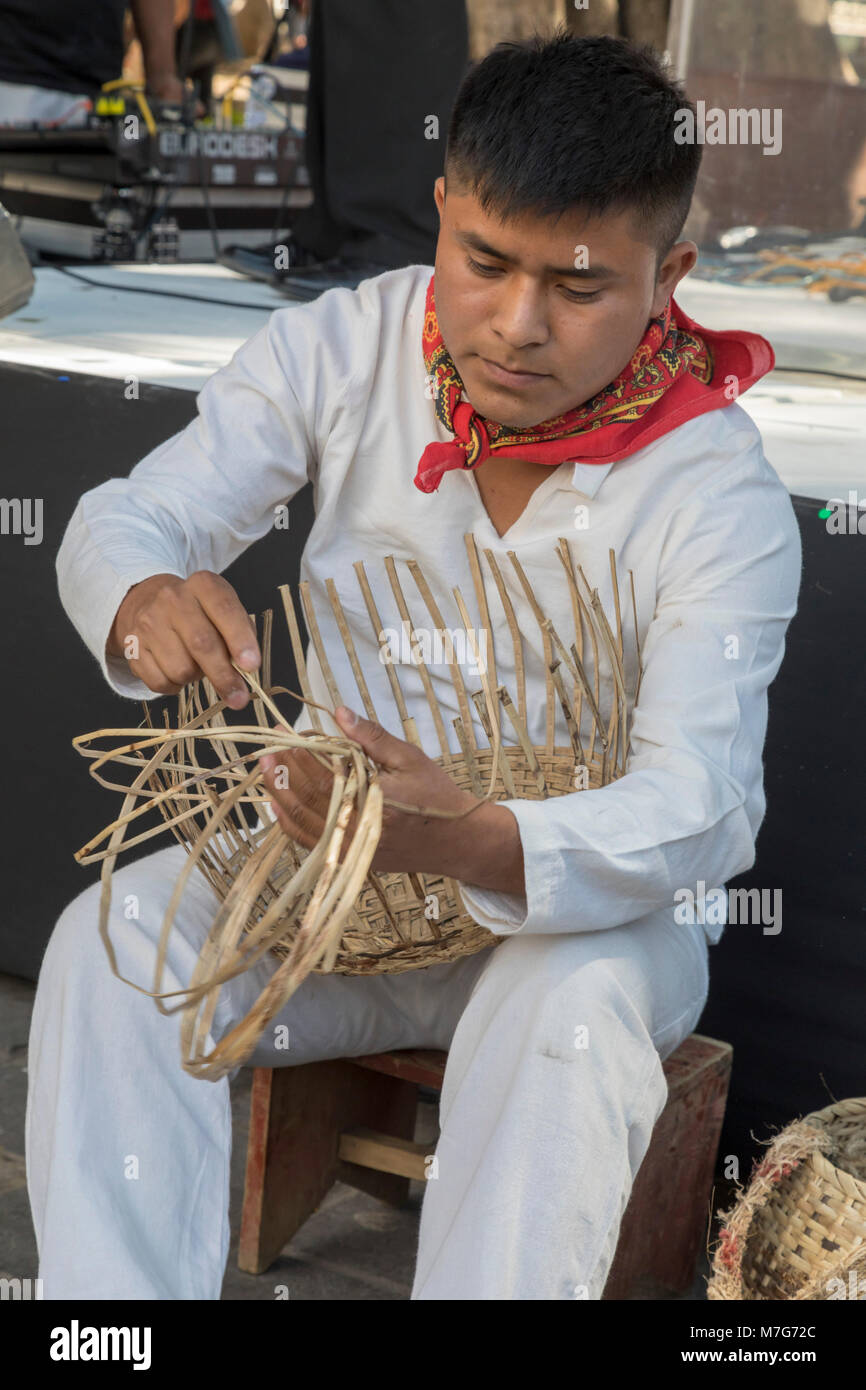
{"x": 128, "y": 1156}
{"x": 22, "y": 104}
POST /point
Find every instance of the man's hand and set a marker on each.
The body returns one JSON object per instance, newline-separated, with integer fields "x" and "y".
{"x": 174, "y": 630}
{"x": 482, "y": 846}
{"x": 167, "y": 87}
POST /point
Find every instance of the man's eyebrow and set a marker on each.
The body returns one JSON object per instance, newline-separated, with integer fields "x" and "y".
{"x": 595, "y": 272}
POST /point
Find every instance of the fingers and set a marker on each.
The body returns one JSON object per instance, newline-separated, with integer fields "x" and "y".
{"x": 170, "y": 656}
{"x": 311, "y": 782}
{"x": 394, "y": 753}
{"x": 151, "y": 674}
{"x": 299, "y": 821}
{"x": 301, "y": 795}
{"x": 193, "y": 628}
{"x": 304, "y": 827}
{"x": 228, "y": 615}
{"x": 298, "y": 772}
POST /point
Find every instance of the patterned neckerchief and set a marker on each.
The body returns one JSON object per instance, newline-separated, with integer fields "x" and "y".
{"x": 667, "y": 352}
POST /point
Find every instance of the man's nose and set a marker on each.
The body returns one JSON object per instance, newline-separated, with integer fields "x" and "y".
{"x": 520, "y": 318}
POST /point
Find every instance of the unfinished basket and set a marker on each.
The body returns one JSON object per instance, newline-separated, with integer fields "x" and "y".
{"x": 306, "y": 907}
{"x": 799, "y": 1230}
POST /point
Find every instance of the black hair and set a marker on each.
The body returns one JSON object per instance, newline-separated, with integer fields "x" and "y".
{"x": 560, "y": 122}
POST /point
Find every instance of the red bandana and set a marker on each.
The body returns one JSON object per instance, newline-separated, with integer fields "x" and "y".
{"x": 678, "y": 371}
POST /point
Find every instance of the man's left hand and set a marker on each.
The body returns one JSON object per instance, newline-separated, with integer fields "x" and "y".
{"x": 410, "y": 842}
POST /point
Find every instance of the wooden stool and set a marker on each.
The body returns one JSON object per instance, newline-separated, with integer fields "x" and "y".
{"x": 353, "y": 1121}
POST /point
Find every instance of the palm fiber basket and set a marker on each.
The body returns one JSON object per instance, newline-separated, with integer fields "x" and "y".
{"x": 799, "y": 1230}
{"x": 324, "y": 909}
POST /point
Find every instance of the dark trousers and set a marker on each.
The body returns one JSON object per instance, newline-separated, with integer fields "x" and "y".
{"x": 377, "y": 72}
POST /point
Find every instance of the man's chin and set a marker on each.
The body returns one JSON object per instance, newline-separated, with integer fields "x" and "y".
{"x": 516, "y": 410}
{"x": 503, "y": 410}
{"x": 511, "y": 421}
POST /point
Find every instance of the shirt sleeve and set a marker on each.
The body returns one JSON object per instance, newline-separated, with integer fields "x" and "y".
{"x": 200, "y": 499}
{"x": 691, "y": 801}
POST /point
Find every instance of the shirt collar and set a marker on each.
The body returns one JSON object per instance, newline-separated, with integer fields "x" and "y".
{"x": 587, "y": 478}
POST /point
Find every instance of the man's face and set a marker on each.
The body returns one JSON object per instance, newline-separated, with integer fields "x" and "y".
{"x": 523, "y": 295}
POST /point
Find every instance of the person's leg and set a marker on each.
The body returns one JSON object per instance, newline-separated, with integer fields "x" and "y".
{"x": 316, "y": 228}
{"x": 552, "y": 1088}
{"x": 375, "y": 79}
{"x": 198, "y": 53}
{"x": 127, "y": 1155}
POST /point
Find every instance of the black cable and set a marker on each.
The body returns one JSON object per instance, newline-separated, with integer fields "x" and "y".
{"x": 281, "y": 211}
{"x": 152, "y": 212}
{"x": 183, "y": 68}
{"x": 266, "y": 58}
{"x": 157, "y": 212}
{"x": 194, "y": 135}
{"x": 217, "y": 249}
{"x": 163, "y": 294}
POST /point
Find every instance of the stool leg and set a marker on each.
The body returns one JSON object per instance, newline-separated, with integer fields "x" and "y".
{"x": 296, "y": 1117}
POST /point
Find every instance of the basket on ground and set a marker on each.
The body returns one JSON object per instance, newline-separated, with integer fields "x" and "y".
{"x": 799, "y": 1230}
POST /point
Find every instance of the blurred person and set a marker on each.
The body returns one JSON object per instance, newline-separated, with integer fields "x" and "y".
{"x": 205, "y": 38}
{"x": 55, "y": 56}
{"x": 377, "y": 74}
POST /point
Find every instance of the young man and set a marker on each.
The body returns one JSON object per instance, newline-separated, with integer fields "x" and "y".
{"x": 561, "y": 392}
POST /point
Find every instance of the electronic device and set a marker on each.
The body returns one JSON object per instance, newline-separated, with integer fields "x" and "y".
{"x": 141, "y": 184}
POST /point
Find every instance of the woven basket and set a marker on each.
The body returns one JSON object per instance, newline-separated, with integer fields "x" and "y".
{"x": 314, "y": 912}
{"x": 408, "y": 921}
{"x": 799, "y": 1230}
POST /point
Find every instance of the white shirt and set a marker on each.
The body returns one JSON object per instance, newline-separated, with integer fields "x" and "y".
{"x": 335, "y": 390}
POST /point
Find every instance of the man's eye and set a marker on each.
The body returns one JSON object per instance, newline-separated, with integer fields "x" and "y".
{"x": 482, "y": 269}
{"x": 576, "y": 296}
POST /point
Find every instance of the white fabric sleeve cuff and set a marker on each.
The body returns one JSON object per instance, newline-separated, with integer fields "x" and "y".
{"x": 501, "y": 913}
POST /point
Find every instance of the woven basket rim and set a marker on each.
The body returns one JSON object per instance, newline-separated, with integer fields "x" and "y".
{"x": 829, "y": 1171}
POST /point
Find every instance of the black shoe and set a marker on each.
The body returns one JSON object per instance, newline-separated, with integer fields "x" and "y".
{"x": 260, "y": 262}
{"x": 309, "y": 283}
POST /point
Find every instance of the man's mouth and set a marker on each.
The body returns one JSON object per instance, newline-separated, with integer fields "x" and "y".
{"x": 507, "y": 377}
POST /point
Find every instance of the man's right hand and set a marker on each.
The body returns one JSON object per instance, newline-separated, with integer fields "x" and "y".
{"x": 184, "y": 629}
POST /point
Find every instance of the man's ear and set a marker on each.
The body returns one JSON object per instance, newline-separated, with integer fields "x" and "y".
{"x": 439, "y": 194}
{"x": 675, "y": 266}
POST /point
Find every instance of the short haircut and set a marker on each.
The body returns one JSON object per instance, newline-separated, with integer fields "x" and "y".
{"x": 561, "y": 122}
